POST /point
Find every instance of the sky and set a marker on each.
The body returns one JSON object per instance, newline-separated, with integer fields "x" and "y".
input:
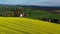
{"x": 32, "y": 2}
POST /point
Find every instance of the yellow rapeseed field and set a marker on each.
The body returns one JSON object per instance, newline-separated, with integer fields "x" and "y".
{"x": 16, "y": 25}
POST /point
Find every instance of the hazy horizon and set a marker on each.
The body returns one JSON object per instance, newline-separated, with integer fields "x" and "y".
{"x": 32, "y": 2}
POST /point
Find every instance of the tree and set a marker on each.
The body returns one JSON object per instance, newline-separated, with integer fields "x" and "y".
{"x": 17, "y": 12}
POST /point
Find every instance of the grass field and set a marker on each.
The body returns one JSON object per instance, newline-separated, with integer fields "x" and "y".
{"x": 39, "y": 14}
{"x": 14, "y": 25}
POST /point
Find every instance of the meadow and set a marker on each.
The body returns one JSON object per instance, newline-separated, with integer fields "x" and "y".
{"x": 33, "y": 13}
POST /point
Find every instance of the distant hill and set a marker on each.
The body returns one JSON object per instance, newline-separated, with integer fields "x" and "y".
{"x": 53, "y": 9}
{"x": 41, "y": 7}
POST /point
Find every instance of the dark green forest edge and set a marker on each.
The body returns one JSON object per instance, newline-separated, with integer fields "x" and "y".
{"x": 31, "y": 12}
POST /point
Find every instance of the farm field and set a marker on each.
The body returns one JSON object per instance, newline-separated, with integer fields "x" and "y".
{"x": 17, "y": 25}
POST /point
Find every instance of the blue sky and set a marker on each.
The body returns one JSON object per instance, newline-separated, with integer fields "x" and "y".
{"x": 32, "y": 2}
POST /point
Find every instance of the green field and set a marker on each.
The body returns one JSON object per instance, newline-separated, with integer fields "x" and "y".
{"x": 31, "y": 12}
{"x": 14, "y": 25}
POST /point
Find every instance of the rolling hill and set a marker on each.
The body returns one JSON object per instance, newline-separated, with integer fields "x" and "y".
{"x": 14, "y": 25}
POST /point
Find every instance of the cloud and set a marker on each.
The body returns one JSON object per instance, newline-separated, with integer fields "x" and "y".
{"x": 54, "y": 0}
{"x": 12, "y": 1}
{"x": 32, "y": 2}
{"x": 21, "y": 1}
{"x": 45, "y": 3}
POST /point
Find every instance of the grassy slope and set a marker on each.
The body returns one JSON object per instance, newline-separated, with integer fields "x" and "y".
{"x": 13, "y": 25}
{"x": 36, "y": 14}
{"x": 33, "y": 12}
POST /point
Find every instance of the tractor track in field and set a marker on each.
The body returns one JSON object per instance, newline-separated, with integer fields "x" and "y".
{"x": 6, "y": 26}
{"x": 15, "y": 29}
{"x": 32, "y": 24}
{"x": 13, "y": 24}
{"x": 26, "y": 26}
